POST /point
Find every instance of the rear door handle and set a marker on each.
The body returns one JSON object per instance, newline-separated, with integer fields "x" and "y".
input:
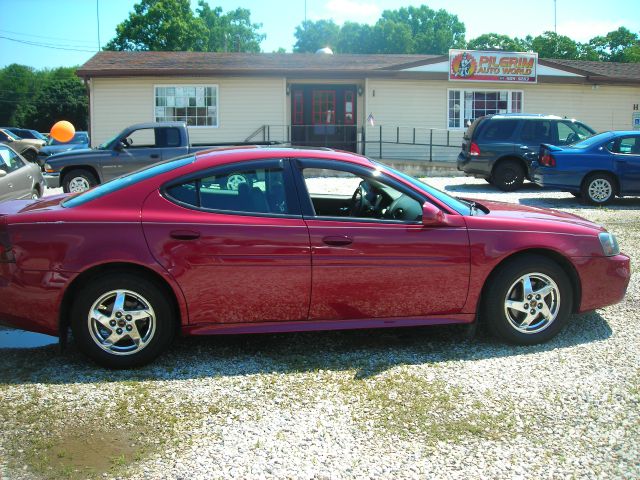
{"x": 337, "y": 241}
{"x": 524, "y": 147}
{"x": 184, "y": 234}
{"x": 155, "y": 155}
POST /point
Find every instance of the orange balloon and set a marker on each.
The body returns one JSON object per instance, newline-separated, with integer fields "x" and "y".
{"x": 62, "y": 131}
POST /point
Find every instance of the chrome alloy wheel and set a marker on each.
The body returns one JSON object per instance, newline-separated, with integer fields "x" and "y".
{"x": 79, "y": 184}
{"x": 234, "y": 181}
{"x": 121, "y": 322}
{"x": 532, "y": 303}
{"x": 600, "y": 190}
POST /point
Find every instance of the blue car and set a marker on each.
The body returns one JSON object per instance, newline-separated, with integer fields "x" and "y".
{"x": 79, "y": 141}
{"x": 596, "y": 169}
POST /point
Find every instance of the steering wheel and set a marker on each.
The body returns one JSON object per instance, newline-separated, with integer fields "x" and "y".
{"x": 357, "y": 202}
{"x": 572, "y": 138}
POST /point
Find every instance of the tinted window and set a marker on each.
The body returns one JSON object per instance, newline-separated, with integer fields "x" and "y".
{"x": 126, "y": 181}
{"x": 246, "y": 190}
{"x": 498, "y": 130}
{"x": 626, "y": 145}
{"x": 167, "y": 137}
{"x": 537, "y": 131}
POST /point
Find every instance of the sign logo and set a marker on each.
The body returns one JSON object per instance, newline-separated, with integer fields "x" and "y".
{"x": 491, "y": 66}
{"x": 463, "y": 65}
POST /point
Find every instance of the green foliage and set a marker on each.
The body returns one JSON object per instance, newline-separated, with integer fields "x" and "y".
{"x": 406, "y": 30}
{"x": 171, "y": 25}
{"x": 495, "y": 41}
{"x": 37, "y": 98}
{"x": 621, "y": 45}
{"x": 312, "y": 36}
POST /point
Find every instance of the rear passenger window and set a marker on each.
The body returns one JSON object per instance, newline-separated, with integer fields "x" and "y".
{"x": 537, "y": 131}
{"x": 259, "y": 190}
{"x": 499, "y": 130}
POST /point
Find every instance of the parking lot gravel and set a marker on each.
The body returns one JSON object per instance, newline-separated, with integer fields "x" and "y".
{"x": 383, "y": 404}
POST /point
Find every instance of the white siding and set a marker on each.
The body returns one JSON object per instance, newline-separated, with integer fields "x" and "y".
{"x": 244, "y": 104}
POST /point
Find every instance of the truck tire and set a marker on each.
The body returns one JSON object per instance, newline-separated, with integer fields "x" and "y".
{"x": 79, "y": 180}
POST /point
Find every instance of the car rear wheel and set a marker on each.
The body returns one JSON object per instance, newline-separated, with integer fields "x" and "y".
{"x": 599, "y": 189}
{"x": 122, "y": 320}
{"x": 527, "y": 301}
{"x": 508, "y": 176}
{"x": 77, "y": 181}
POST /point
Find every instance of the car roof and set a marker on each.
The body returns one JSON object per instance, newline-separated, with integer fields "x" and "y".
{"x": 527, "y": 116}
{"x": 224, "y": 155}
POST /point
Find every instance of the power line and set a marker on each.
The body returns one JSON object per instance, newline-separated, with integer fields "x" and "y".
{"x": 46, "y": 45}
{"x": 72, "y": 40}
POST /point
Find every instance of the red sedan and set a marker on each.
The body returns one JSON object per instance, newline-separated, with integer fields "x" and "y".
{"x": 299, "y": 240}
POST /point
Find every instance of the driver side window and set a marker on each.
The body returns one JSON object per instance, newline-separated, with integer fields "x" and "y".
{"x": 338, "y": 193}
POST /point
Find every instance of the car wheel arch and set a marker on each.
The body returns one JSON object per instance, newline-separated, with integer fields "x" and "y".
{"x": 70, "y": 168}
{"x": 562, "y": 261}
{"x": 84, "y": 278}
{"x": 510, "y": 158}
{"x": 608, "y": 173}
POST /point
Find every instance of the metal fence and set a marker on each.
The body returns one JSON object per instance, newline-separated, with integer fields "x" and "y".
{"x": 379, "y": 141}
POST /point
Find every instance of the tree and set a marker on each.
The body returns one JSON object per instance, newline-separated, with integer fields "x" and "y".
{"x": 59, "y": 99}
{"x": 355, "y": 38}
{"x": 230, "y": 32}
{"x": 167, "y": 25}
{"x": 17, "y": 86}
{"x": 620, "y": 45}
{"x": 431, "y": 32}
{"x": 495, "y": 41}
{"x": 311, "y": 36}
{"x": 552, "y": 45}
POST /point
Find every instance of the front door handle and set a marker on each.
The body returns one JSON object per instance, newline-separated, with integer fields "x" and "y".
{"x": 184, "y": 234}
{"x": 524, "y": 147}
{"x": 337, "y": 241}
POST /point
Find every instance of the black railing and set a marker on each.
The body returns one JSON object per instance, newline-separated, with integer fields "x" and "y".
{"x": 368, "y": 140}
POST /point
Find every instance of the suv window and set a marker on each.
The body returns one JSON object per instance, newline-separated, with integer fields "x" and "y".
{"x": 537, "y": 131}
{"x": 244, "y": 190}
{"x": 498, "y": 130}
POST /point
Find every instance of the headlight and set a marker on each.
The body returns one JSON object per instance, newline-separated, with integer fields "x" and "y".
{"x": 48, "y": 168}
{"x": 609, "y": 244}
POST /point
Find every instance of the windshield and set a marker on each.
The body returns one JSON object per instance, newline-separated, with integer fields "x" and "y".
{"x": 79, "y": 137}
{"x": 105, "y": 145}
{"x": 591, "y": 141}
{"x": 126, "y": 181}
{"x": 463, "y": 208}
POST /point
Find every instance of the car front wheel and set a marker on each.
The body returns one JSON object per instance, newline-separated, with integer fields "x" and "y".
{"x": 122, "y": 320}
{"x": 528, "y": 300}
{"x": 77, "y": 181}
{"x": 599, "y": 189}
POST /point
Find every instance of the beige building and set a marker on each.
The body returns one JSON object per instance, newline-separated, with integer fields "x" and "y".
{"x": 389, "y": 106}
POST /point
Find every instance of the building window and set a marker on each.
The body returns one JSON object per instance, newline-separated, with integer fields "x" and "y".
{"x": 467, "y": 105}
{"x": 196, "y": 105}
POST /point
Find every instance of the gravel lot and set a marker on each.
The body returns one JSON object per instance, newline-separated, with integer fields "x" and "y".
{"x": 411, "y": 403}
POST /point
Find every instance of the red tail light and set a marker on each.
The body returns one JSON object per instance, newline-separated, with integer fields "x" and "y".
{"x": 474, "y": 149}
{"x": 548, "y": 160}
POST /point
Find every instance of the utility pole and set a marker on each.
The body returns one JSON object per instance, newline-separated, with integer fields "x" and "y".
{"x": 305, "y": 14}
{"x": 98, "y": 21}
{"x": 555, "y": 16}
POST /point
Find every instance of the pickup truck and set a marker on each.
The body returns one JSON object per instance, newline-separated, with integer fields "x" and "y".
{"x": 135, "y": 147}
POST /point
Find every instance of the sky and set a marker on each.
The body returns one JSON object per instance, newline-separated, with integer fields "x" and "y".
{"x": 69, "y": 28}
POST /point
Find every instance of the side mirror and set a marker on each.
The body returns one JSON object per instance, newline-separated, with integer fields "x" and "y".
{"x": 3, "y": 173}
{"x": 432, "y": 215}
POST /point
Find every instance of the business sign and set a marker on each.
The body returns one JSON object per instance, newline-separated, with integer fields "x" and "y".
{"x": 478, "y": 66}
{"x": 635, "y": 120}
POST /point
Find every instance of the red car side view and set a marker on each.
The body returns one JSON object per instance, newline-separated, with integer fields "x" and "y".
{"x": 301, "y": 240}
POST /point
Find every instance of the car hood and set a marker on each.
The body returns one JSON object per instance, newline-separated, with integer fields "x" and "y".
{"x": 53, "y": 149}
{"x": 534, "y": 214}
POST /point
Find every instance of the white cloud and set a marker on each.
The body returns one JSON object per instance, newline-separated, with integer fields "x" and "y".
{"x": 352, "y": 10}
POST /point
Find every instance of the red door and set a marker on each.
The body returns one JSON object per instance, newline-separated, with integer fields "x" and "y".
{"x": 252, "y": 265}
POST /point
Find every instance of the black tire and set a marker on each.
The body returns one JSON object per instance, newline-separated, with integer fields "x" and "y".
{"x": 503, "y": 322}
{"x": 124, "y": 353}
{"x": 598, "y": 189}
{"x": 35, "y": 194}
{"x": 76, "y": 178}
{"x": 508, "y": 176}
